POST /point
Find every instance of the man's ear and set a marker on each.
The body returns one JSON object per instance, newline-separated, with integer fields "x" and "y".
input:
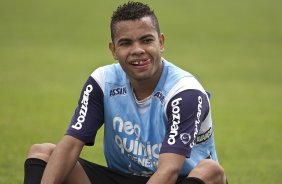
{"x": 112, "y": 49}
{"x": 162, "y": 39}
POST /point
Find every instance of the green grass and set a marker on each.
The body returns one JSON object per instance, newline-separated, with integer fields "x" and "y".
{"x": 49, "y": 48}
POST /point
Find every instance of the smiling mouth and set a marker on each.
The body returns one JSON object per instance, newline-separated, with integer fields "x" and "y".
{"x": 141, "y": 62}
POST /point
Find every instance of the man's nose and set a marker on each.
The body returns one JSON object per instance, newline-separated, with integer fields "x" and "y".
{"x": 137, "y": 49}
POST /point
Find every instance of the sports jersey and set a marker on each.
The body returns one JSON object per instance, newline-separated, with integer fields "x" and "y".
{"x": 176, "y": 118}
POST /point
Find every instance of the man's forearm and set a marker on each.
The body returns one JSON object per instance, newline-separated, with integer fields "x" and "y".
{"x": 61, "y": 162}
{"x": 168, "y": 170}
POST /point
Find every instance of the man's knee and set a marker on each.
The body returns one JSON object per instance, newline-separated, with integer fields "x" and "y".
{"x": 209, "y": 171}
{"x": 41, "y": 151}
{"x": 212, "y": 166}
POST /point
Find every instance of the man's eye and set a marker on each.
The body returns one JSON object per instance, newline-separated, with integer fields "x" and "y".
{"x": 124, "y": 43}
{"x": 147, "y": 40}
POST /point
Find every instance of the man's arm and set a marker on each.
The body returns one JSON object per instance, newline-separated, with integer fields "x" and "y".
{"x": 168, "y": 170}
{"x": 62, "y": 160}
{"x": 185, "y": 112}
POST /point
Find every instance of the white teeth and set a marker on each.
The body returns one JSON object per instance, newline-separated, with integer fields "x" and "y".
{"x": 138, "y": 62}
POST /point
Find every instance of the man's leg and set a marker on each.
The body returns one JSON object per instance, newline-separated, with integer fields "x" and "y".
{"x": 37, "y": 159}
{"x": 207, "y": 171}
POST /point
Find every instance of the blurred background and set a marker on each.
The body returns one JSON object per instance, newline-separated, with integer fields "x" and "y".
{"x": 49, "y": 48}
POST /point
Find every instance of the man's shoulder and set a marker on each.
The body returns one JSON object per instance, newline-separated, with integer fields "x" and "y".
{"x": 175, "y": 71}
{"x": 175, "y": 76}
{"x": 102, "y": 69}
{"x": 113, "y": 72}
{"x": 179, "y": 80}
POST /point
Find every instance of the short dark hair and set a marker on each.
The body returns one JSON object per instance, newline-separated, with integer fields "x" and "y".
{"x": 132, "y": 11}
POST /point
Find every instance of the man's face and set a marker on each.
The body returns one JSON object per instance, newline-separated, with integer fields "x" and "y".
{"x": 138, "y": 47}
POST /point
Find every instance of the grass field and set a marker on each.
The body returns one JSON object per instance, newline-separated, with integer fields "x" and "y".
{"x": 49, "y": 48}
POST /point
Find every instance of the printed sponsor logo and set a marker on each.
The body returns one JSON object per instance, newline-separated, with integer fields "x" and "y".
{"x": 160, "y": 96}
{"x": 205, "y": 136}
{"x": 175, "y": 121}
{"x": 185, "y": 138}
{"x": 144, "y": 154}
{"x": 83, "y": 108}
{"x": 197, "y": 121}
{"x": 118, "y": 91}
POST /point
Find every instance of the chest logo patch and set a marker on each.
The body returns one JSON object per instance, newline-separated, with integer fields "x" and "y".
{"x": 118, "y": 91}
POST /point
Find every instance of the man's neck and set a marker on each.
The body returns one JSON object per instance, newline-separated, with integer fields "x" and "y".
{"x": 145, "y": 88}
{"x": 143, "y": 91}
